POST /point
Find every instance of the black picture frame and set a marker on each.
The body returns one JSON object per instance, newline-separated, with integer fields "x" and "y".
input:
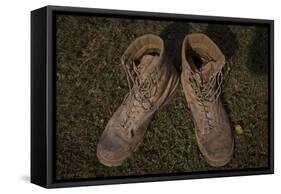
{"x": 43, "y": 85}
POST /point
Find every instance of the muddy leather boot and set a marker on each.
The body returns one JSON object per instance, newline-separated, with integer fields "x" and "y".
{"x": 152, "y": 83}
{"x": 201, "y": 78}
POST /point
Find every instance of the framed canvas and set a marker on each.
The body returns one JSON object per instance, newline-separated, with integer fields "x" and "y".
{"x": 125, "y": 96}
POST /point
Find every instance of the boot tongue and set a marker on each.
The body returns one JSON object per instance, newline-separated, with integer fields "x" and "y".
{"x": 146, "y": 62}
{"x": 144, "y": 68}
{"x": 207, "y": 70}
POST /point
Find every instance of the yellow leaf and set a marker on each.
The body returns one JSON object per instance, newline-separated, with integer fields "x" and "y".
{"x": 238, "y": 129}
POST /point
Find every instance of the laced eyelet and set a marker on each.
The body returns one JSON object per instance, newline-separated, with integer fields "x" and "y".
{"x": 206, "y": 92}
{"x": 140, "y": 90}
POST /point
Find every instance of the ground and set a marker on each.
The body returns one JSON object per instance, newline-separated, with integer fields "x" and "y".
{"x": 91, "y": 84}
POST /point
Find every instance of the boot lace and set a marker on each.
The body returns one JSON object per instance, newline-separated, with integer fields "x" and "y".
{"x": 140, "y": 91}
{"x": 206, "y": 92}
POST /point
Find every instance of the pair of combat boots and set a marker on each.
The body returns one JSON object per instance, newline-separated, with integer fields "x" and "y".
{"x": 153, "y": 82}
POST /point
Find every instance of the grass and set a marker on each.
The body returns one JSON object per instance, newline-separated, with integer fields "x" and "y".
{"x": 91, "y": 85}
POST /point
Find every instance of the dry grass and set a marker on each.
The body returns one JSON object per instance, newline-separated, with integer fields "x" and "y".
{"x": 91, "y": 85}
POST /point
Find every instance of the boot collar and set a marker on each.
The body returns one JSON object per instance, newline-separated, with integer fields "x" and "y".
{"x": 200, "y": 46}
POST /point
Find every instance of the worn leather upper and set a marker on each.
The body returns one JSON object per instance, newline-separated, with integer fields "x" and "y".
{"x": 202, "y": 86}
{"x": 152, "y": 81}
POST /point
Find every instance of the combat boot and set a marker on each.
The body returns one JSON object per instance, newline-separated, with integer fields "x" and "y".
{"x": 152, "y": 82}
{"x": 201, "y": 78}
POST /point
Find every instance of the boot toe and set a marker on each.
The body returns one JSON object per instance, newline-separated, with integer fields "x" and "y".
{"x": 112, "y": 150}
{"x": 218, "y": 153}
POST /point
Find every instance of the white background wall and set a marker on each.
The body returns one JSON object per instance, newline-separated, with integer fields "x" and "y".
{"x": 15, "y": 94}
